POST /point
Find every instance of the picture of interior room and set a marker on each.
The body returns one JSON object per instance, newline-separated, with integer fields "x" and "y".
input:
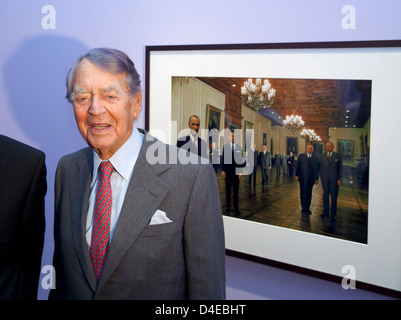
{"x": 297, "y": 112}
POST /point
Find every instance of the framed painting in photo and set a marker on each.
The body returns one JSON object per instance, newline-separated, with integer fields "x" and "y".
{"x": 213, "y": 123}
{"x": 213, "y": 118}
{"x": 292, "y": 145}
{"x": 358, "y": 80}
{"x": 346, "y": 149}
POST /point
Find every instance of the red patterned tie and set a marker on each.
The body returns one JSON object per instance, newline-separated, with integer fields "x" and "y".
{"x": 101, "y": 219}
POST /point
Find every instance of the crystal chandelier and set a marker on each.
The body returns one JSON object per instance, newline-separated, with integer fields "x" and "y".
{"x": 257, "y": 96}
{"x": 293, "y": 122}
{"x": 310, "y": 135}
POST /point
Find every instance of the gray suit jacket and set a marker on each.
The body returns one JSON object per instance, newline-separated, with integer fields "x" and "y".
{"x": 265, "y": 160}
{"x": 184, "y": 259}
{"x": 331, "y": 170}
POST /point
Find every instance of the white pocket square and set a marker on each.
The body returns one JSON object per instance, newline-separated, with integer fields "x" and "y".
{"x": 159, "y": 217}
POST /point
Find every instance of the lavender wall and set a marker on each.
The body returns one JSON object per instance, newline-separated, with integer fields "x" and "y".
{"x": 39, "y": 43}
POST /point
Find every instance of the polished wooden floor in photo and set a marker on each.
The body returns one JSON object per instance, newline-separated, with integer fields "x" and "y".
{"x": 280, "y": 206}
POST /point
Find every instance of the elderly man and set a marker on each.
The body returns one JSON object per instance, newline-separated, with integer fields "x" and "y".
{"x": 331, "y": 171}
{"x": 265, "y": 161}
{"x": 125, "y": 226}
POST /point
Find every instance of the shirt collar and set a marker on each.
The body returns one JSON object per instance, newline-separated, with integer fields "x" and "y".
{"x": 124, "y": 159}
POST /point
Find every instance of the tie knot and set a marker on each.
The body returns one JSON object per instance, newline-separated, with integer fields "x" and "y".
{"x": 106, "y": 169}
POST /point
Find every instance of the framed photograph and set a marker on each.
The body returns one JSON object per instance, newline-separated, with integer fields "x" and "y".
{"x": 358, "y": 80}
{"x": 346, "y": 149}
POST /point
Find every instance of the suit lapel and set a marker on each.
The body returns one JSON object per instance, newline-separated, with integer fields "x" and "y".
{"x": 145, "y": 192}
{"x": 79, "y": 191}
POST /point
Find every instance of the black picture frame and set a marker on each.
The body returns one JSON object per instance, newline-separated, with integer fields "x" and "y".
{"x": 285, "y": 248}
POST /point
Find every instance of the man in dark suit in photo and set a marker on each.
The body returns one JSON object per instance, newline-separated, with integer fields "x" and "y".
{"x": 285, "y": 164}
{"x": 231, "y": 171}
{"x": 265, "y": 162}
{"x": 126, "y": 226}
{"x": 331, "y": 171}
{"x": 307, "y": 174}
{"x": 22, "y": 218}
{"x": 192, "y": 142}
{"x": 291, "y": 164}
{"x": 277, "y": 158}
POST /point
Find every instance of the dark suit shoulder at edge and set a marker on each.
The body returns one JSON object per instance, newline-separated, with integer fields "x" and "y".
{"x": 15, "y": 146}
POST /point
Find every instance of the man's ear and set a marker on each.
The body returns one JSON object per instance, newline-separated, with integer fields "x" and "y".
{"x": 137, "y": 104}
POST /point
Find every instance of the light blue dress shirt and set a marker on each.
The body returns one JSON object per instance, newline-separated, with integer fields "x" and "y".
{"x": 123, "y": 162}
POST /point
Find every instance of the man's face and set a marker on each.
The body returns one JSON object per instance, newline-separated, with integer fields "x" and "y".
{"x": 103, "y": 108}
{"x": 194, "y": 125}
{"x": 329, "y": 147}
{"x": 309, "y": 149}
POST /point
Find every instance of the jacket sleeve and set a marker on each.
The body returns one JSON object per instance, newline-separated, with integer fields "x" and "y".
{"x": 316, "y": 168}
{"x": 340, "y": 166}
{"x": 223, "y": 165}
{"x": 298, "y": 167}
{"x": 58, "y": 291}
{"x": 204, "y": 239}
{"x": 34, "y": 228}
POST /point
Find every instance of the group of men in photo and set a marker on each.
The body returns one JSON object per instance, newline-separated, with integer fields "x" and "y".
{"x": 308, "y": 167}
{"x": 329, "y": 166}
